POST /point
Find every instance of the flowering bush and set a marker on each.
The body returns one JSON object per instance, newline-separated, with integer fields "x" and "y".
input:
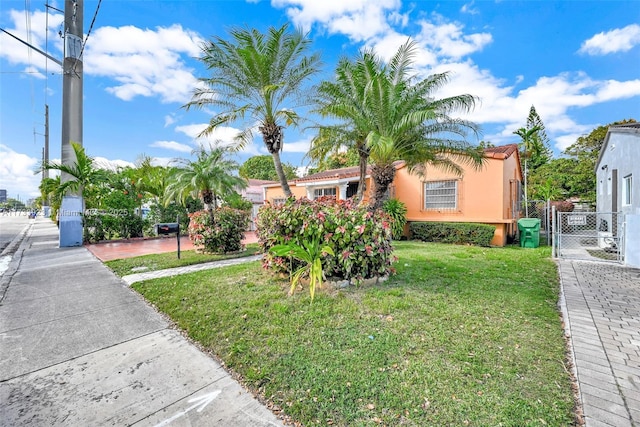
{"x": 359, "y": 238}
{"x": 221, "y": 232}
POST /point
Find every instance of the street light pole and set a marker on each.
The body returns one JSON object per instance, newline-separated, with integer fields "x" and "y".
{"x": 72, "y": 208}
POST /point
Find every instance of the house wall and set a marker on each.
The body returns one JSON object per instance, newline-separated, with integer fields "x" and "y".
{"x": 621, "y": 154}
{"x": 483, "y": 196}
{"x": 276, "y": 193}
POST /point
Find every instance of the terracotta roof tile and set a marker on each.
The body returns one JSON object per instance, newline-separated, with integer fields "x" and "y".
{"x": 501, "y": 152}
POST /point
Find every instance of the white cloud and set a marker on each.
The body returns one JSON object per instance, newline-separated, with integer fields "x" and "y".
{"x": 358, "y": 19}
{"x": 169, "y": 119}
{"x": 448, "y": 40}
{"x": 112, "y": 165}
{"x": 144, "y": 62}
{"x": 301, "y": 146}
{"x": 172, "y": 145}
{"x": 17, "y": 174}
{"x": 617, "y": 40}
{"x": 162, "y": 161}
{"x": 468, "y": 8}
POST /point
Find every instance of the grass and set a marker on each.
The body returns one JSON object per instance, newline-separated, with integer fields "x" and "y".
{"x": 461, "y": 336}
{"x": 123, "y": 267}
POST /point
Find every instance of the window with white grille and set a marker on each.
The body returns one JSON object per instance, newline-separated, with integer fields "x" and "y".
{"x": 320, "y": 192}
{"x": 440, "y": 195}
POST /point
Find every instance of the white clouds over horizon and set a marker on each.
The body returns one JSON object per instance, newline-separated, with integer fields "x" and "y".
{"x": 18, "y": 169}
{"x": 612, "y": 41}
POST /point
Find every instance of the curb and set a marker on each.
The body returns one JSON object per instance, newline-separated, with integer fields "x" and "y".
{"x": 14, "y": 250}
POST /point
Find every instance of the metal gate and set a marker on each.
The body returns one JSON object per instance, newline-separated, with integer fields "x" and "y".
{"x": 593, "y": 236}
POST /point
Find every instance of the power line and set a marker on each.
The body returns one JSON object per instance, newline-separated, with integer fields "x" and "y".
{"x": 93, "y": 20}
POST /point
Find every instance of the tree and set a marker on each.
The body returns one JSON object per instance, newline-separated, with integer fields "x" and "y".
{"x": 262, "y": 167}
{"x": 339, "y": 160}
{"x": 84, "y": 176}
{"x": 543, "y": 153}
{"x": 414, "y": 126}
{"x": 347, "y": 99}
{"x": 387, "y": 116}
{"x": 259, "y": 76}
{"x": 530, "y": 147}
{"x": 208, "y": 177}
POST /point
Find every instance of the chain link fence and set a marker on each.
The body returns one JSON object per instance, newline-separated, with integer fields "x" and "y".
{"x": 593, "y": 236}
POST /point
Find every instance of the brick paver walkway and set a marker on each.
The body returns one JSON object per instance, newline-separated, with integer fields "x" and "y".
{"x": 601, "y": 304}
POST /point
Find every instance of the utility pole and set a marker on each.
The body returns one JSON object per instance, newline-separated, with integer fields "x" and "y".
{"x": 45, "y": 159}
{"x": 72, "y": 208}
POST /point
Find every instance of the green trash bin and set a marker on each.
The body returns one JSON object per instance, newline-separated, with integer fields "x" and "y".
{"x": 529, "y": 229}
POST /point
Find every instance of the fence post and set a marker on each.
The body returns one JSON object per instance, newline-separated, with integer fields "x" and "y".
{"x": 548, "y": 220}
{"x": 553, "y": 231}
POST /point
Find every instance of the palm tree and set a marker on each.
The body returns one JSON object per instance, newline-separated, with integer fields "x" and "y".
{"x": 208, "y": 177}
{"x": 49, "y": 190}
{"x": 348, "y": 98}
{"x": 390, "y": 117}
{"x": 84, "y": 177}
{"x": 531, "y": 147}
{"x": 259, "y": 76}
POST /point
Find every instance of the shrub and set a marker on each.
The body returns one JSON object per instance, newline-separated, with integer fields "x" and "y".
{"x": 360, "y": 239}
{"x": 218, "y": 232}
{"x": 460, "y": 233}
{"x": 108, "y": 224}
{"x": 397, "y": 211}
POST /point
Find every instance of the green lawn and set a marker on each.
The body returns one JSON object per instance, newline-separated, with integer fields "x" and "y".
{"x": 123, "y": 267}
{"x": 461, "y": 336}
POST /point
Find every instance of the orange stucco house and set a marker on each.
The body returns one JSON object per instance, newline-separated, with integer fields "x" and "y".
{"x": 489, "y": 195}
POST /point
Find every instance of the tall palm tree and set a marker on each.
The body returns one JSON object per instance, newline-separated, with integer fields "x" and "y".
{"x": 348, "y": 99}
{"x": 531, "y": 147}
{"x": 259, "y": 76}
{"x": 208, "y": 177}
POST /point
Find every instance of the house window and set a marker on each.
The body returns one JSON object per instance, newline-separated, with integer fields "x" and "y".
{"x": 441, "y": 195}
{"x": 278, "y": 201}
{"x": 321, "y": 192}
{"x": 627, "y": 189}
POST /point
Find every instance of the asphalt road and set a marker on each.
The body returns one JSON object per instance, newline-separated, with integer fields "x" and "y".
{"x": 10, "y": 226}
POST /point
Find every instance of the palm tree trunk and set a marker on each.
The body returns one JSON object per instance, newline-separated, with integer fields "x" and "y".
{"x": 281, "y": 176}
{"x": 382, "y": 177}
{"x": 363, "y": 154}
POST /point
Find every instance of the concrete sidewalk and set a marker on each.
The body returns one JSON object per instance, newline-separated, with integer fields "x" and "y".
{"x": 79, "y": 348}
{"x": 601, "y": 310}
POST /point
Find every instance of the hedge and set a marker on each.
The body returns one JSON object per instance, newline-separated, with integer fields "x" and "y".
{"x": 460, "y": 233}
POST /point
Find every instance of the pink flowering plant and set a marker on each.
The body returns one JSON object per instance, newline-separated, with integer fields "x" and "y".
{"x": 360, "y": 239}
{"x": 219, "y": 231}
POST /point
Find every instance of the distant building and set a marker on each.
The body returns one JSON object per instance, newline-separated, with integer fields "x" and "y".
{"x": 3, "y": 196}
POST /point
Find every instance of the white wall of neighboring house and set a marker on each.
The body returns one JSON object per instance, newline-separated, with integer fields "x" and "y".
{"x": 618, "y": 183}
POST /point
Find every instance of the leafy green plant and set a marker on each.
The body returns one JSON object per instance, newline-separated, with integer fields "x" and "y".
{"x": 310, "y": 254}
{"x": 218, "y": 231}
{"x": 397, "y": 211}
{"x": 459, "y": 233}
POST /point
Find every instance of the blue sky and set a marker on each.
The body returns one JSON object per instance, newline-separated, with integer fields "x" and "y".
{"x": 577, "y": 62}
